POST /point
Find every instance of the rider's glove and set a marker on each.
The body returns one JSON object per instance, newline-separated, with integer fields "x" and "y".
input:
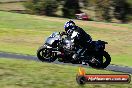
{"x": 63, "y": 33}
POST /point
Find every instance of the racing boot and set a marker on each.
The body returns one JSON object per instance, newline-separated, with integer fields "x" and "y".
{"x": 75, "y": 56}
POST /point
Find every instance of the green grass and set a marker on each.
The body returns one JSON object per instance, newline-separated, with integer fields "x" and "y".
{"x": 122, "y": 60}
{"x": 31, "y": 74}
{"x": 22, "y": 21}
{"x": 124, "y": 25}
{"x": 11, "y": 0}
{"x": 23, "y": 33}
{"x": 12, "y": 6}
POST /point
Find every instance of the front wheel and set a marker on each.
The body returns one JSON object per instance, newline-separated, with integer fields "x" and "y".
{"x": 101, "y": 60}
{"x": 45, "y": 55}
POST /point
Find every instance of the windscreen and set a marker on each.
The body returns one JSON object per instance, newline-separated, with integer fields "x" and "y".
{"x": 55, "y": 34}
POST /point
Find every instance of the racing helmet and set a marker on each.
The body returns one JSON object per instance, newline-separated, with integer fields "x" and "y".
{"x": 69, "y": 25}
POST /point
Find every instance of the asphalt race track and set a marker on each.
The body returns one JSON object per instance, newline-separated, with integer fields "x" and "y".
{"x": 116, "y": 68}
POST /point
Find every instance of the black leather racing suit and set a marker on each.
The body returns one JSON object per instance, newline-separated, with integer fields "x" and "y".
{"x": 84, "y": 40}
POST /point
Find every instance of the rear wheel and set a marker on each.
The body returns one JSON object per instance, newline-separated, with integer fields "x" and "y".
{"x": 45, "y": 55}
{"x": 106, "y": 59}
{"x": 102, "y": 60}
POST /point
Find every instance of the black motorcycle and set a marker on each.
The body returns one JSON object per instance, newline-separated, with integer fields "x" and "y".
{"x": 64, "y": 48}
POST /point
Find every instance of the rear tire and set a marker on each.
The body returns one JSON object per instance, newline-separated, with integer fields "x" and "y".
{"x": 108, "y": 59}
{"x": 45, "y": 55}
{"x": 101, "y": 56}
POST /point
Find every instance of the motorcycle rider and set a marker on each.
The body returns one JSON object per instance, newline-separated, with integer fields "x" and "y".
{"x": 84, "y": 39}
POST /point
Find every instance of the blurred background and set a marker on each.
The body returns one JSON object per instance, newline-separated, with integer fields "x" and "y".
{"x": 25, "y": 25}
{"x": 119, "y": 11}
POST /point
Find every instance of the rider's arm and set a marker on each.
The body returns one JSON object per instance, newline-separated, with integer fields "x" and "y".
{"x": 63, "y": 33}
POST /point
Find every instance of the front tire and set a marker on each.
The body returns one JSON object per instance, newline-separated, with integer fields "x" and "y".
{"x": 45, "y": 55}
